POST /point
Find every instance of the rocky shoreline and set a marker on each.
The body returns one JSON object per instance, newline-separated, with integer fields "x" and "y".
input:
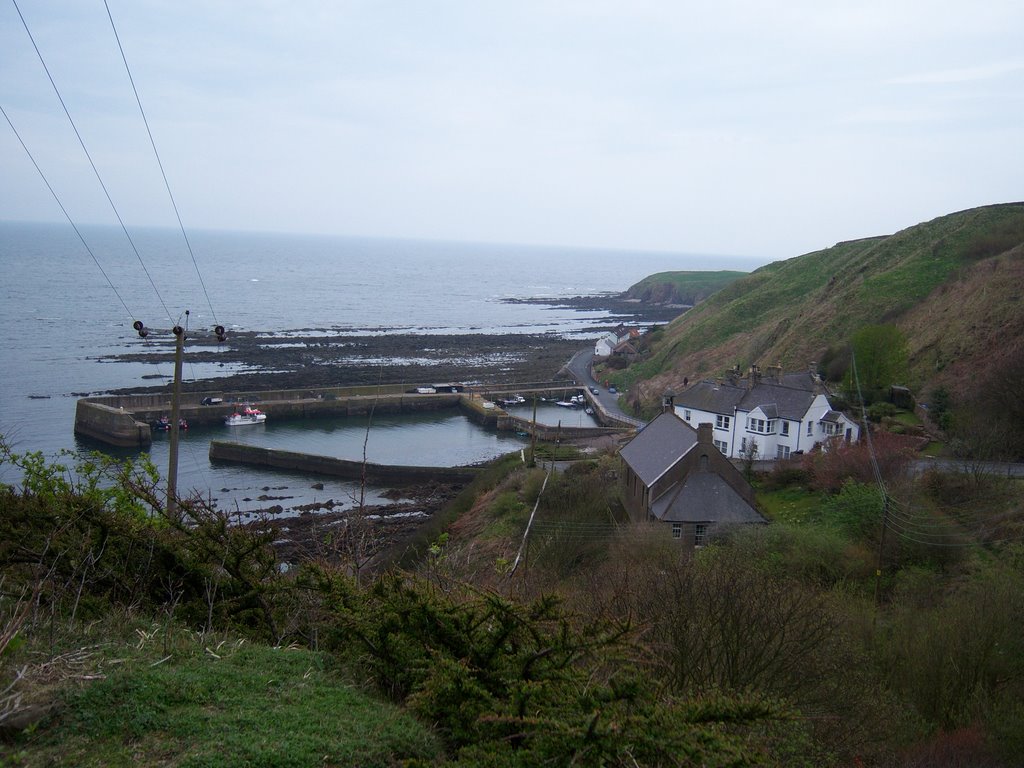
{"x": 310, "y": 358}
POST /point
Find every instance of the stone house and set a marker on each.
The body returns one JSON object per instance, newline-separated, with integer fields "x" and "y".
{"x": 674, "y": 475}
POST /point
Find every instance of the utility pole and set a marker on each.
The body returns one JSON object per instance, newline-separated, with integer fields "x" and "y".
{"x": 533, "y": 435}
{"x": 172, "y": 459}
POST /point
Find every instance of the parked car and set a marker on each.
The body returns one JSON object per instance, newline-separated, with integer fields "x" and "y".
{"x": 613, "y": 390}
{"x": 212, "y": 400}
{"x": 595, "y": 391}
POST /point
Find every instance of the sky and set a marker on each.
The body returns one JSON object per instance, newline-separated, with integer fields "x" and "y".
{"x": 729, "y": 127}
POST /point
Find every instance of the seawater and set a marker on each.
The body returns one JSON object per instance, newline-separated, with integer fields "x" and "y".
{"x": 65, "y": 313}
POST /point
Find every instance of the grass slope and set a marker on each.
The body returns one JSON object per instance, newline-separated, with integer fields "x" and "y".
{"x": 681, "y": 287}
{"x": 791, "y": 311}
{"x": 236, "y": 705}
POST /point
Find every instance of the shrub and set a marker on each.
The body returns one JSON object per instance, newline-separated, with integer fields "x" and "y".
{"x": 879, "y": 411}
{"x": 856, "y": 509}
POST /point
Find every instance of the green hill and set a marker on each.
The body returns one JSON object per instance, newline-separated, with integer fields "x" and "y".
{"x": 683, "y": 288}
{"x": 952, "y": 285}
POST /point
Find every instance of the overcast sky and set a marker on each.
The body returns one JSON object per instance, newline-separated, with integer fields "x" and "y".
{"x": 731, "y": 126}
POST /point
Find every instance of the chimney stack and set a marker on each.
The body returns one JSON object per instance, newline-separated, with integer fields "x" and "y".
{"x": 704, "y": 433}
{"x": 753, "y": 377}
{"x": 668, "y": 401}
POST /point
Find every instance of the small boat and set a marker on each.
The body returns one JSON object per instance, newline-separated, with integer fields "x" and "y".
{"x": 163, "y": 424}
{"x": 245, "y": 415}
{"x": 576, "y": 401}
{"x": 514, "y": 400}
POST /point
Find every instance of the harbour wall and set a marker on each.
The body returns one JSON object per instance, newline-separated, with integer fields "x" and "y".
{"x": 114, "y": 426}
{"x": 123, "y": 420}
{"x": 256, "y": 456}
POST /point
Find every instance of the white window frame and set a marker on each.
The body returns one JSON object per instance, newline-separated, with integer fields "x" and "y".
{"x": 722, "y": 422}
{"x": 810, "y": 429}
{"x": 782, "y": 452}
{"x": 687, "y": 416}
{"x": 722, "y": 446}
{"x": 700, "y": 534}
{"x": 785, "y": 428}
{"x": 677, "y": 530}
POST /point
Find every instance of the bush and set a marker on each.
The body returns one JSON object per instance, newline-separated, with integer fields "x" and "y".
{"x": 879, "y": 411}
{"x": 856, "y": 510}
{"x": 523, "y": 684}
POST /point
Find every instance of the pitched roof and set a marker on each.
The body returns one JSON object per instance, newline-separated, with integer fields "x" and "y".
{"x": 704, "y": 497}
{"x": 658, "y": 446}
{"x": 789, "y": 397}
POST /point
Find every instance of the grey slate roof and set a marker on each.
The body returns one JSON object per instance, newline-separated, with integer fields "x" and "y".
{"x": 658, "y": 446}
{"x": 704, "y": 497}
{"x": 790, "y": 399}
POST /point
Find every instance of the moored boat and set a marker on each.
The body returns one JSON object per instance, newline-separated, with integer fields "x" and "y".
{"x": 245, "y": 415}
{"x": 163, "y": 424}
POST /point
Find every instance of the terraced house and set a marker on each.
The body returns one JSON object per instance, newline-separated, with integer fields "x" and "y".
{"x": 769, "y": 415}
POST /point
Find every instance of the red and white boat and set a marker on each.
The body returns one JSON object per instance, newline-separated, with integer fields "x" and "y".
{"x": 245, "y": 415}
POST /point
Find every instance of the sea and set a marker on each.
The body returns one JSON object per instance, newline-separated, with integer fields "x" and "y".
{"x": 69, "y": 303}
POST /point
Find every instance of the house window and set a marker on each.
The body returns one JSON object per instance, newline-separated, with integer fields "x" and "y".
{"x": 782, "y": 452}
{"x": 760, "y": 426}
{"x": 722, "y": 446}
{"x": 677, "y": 530}
{"x": 700, "y": 534}
{"x": 785, "y": 428}
{"x": 743, "y": 445}
{"x": 723, "y": 422}
{"x": 810, "y": 428}
{"x": 686, "y": 415}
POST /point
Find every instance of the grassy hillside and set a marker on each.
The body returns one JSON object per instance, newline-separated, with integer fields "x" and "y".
{"x": 687, "y": 288}
{"x": 952, "y": 285}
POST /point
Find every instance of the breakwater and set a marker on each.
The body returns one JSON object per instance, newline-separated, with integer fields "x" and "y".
{"x": 256, "y": 456}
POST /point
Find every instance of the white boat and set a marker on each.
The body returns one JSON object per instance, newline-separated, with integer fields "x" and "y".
{"x": 514, "y": 400}
{"x": 246, "y": 415}
{"x": 576, "y": 401}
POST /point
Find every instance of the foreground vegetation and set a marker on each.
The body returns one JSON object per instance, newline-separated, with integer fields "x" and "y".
{"x": 129, "y": 637}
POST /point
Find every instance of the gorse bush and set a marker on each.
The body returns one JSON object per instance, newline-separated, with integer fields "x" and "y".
{"x": 96, "y": 535}
{"x": 525, "y": 684}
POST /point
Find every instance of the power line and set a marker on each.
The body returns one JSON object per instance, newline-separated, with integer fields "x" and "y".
{"x": 93, "y": 164}
{"x": 159, "y": 161}
{"x": 65, "y": 212}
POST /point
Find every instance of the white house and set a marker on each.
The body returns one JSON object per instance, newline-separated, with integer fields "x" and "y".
{"x": 604, "y": 346}
{"x": 768, "y": 415}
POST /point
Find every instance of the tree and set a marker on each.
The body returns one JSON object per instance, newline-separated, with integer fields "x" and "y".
{"x": 879, "y": 360}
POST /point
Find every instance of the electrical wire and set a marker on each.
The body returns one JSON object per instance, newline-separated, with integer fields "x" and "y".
{"x": 66, "y": 214}
{"x": 99, "y": 178}
{"x": 159, "y": 162}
